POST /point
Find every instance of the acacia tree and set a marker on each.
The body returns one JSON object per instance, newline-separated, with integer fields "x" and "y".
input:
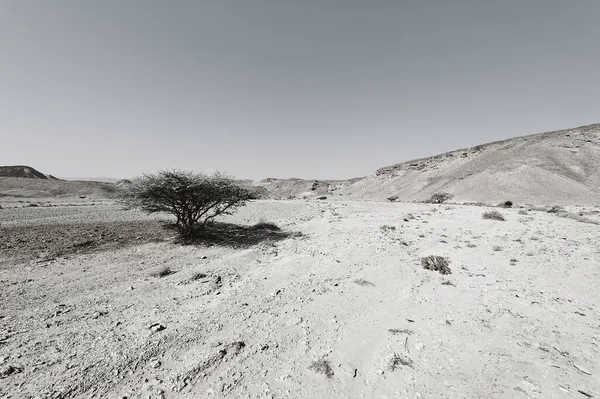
{"x": 193, "y": 198}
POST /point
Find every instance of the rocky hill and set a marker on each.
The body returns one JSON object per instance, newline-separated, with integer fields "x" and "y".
{"x": 23, "y": 171}
{"x": 555, "y": 167}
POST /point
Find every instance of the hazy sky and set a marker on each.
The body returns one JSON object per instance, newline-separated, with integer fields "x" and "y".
{"x": 285, "y": 88}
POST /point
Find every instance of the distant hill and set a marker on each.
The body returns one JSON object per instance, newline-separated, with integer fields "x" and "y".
{"x": 98, "y": 179}
{"x": 555, "y": 167}
{"x": 300, "y": 188}
{"x": 560, "y": 167}
{"x": 22, "y": 171}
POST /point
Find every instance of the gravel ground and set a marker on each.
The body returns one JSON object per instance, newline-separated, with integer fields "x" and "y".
{"x": 345, "y": 310}
{"x": 43, "y": 233}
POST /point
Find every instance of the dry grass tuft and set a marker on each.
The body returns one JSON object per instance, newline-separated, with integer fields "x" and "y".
{"x": 198, "y": 276}
{"x": 436, "y": 263}
{"x": 364, "y": 283}
{"x": 163, "y": 271}
{"x": 397, "y": 331}
{"x": 322, "y": 366}
{"x": 397, "y": 361}
{"x": 386, "y": 227}
{"x": 493, "y": 215}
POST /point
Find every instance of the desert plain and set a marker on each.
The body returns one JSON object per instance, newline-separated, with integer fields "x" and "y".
{"x": 323, "y": 298}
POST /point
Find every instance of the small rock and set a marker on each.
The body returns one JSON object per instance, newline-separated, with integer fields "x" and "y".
{"x": 156, "y": 327}
{"x": 155, "y": 364}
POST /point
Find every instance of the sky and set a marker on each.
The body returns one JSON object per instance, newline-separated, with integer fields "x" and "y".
{"x": 285, "y": 88}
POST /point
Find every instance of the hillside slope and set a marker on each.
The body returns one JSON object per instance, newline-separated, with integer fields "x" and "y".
{"x": 19, "y": 187}
{"x": 556, "y": 167}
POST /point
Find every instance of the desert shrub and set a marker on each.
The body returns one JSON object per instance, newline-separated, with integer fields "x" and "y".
{"x": 494, "y": 215}
{"x": 163, "y": 271}
{"x": 386, "y": 227}
{"x": 198, "y": 276}
{"x": 193, "y": 198}
{"x": 497, "y": 248}
{"x": 322, "y": 197}
{"x": 555, "y": 209}
{"x": 436, "y": 263}
{"x": 322, "y": 366}
{"x": 397, "y": 361}
{"x": 439, "y": 198}
{"x": 364, "y": 283}
{"x": 393, "y": 198}
{"x": 506, "y": 204}
{"x": 396, "y": 331}
{"x": 523, "y": 212}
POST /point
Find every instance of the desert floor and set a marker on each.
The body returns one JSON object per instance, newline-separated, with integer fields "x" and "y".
{"x": 98, "y": 302}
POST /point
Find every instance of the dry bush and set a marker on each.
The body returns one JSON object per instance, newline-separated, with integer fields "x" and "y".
{"x": 438, "y": 198}
{"x": 436, "y": 263}
{"x": 506, "y": 204}
{"x": 555, "y": 209}
{"x": 497, "y": 248}
{"x": 493, "y": 215}
{"x": 322, "y": 366}
{"x": 397, "y": 331}
{"x": 398, "y": 360}
{"x": 163, "y": 271}
{"x": 385, "y": 228}
{"x": 523, "y": 212}
{"x": 198, "y": 276}
{"x": 364, "y": 283}
{"x": 393, "y": 198}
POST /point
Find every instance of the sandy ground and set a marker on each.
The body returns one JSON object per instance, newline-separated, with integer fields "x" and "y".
{"x": 343, "y": 310}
